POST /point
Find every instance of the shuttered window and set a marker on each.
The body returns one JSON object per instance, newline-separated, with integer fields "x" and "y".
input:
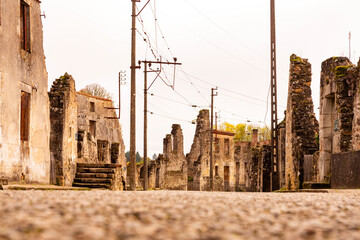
{"x": 25, "y": 116}
{"x": 25, "y": 26}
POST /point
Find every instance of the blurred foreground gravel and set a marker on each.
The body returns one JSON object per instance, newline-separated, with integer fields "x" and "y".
{"x": 178, "y": 215}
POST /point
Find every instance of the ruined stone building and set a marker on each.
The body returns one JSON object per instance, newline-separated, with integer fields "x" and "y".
{"x": 170, "y": 171}
{"x": 339, "y": 123}
{"x": 24, "y": 111}
{"x": 84, "y": 130}
{"x": 226, "y": 170}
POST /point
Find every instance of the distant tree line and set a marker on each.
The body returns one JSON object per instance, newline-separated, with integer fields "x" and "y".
{"x": 243, "y": 131}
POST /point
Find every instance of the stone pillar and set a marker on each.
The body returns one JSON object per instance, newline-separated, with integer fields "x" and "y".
{"x": 63, "y": 119}
{"x": 199, "y": 156}
{"x": 254, "y": 141}
{"x": 178, "y": 139}
{"x": 301, "y": 125}
{"x": 167, "y": 150}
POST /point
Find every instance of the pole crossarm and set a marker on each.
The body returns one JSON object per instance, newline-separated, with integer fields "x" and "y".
{"x": 142, "y": 8}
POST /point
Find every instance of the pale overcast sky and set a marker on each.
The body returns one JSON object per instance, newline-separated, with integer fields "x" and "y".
{"x": 219, "y": 43}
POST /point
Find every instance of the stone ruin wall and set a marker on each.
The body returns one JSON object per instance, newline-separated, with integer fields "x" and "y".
{"x": 107, "y": 131}
{"x": 338, "y": 86}
{"x": 170, "y": 170}
{"x": 301, "y": 124}
{"x": 199, "y": 157}
{"x": 63, "y": 117}
{"x": 356, "y": 118}
{"x": 176, "y": 165}
{"x": 224, "y": 158}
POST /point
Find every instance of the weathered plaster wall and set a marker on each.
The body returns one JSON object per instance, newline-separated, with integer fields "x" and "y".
{"x": 106, "y": 130}
{"x": 301, "y": 125}
{"x": 23, "y": 71}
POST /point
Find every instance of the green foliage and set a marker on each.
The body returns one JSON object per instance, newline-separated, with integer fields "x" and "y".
{"x": 243, "y": 131}
{"x": 138, "y": 157}
{"x": 340, "y": 71}
{"x": 294, "y": 58}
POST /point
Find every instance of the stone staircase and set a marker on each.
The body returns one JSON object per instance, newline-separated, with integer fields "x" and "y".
{"x": 98, "y": 175}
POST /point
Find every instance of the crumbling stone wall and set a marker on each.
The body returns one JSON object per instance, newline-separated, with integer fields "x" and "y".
{"x": 99, "y": 132}
{"x": 226, "y": 174}
{"x": 301, "y": 125}
{"x": 23, "y": 71}
{"x": 63, "y": 118}
{"x": 175, "y": 176}
{"x": 356, "y": 118}
{"x": 199, "y": 157}
{"x": 337, "y": 89}
{"x": 242, "y": 155}
{"x": 281, "y": 150}
{"x": 83, "y": 130}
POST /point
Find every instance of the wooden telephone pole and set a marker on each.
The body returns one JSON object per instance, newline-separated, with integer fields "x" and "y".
{"x": 211, "y": 139}
{"x": 133, "y": 67}
{"x": 274, "y": 133}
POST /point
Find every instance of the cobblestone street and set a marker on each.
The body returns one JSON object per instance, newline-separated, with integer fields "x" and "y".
{"x": 178, "y": 215}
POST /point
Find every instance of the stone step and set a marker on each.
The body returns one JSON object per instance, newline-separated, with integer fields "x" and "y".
{"x": 92, "y": 185}
{"x": 95, "y": 175}
{"x": 97, "y": 165}
{"x": 315, "y": 185}
{"x": 92, "y": 180}
{"x": 95, "y": 170}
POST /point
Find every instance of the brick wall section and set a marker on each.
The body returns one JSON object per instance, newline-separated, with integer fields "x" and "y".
{"x": 301, "y": 125}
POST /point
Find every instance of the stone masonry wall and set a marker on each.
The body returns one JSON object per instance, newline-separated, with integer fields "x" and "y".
{"x": 199, "y": 157}
{"x": 175, "y": 176}
{"x": 356, "y": 120}
{"x": 63, "y": 116}
{"x": 301, "y": 124}
{"x": 337, "y": 85}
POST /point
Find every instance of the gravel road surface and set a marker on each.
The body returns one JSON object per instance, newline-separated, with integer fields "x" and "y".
{"x": 178, "y": 215}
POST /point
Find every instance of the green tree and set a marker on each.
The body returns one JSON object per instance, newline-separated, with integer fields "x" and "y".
{"x": 138, "y": 157}
{"x": 243, "y": 131}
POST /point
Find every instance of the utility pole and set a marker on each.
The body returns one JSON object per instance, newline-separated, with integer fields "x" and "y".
{"x": 122, "y": 80}
{"x": 133, "y": 67}
{"x": 274, "y": 133}
{"x": 350, "y": 46}
{"x": 146, "y": 88}
{"x": 211, "y": 138}
{"x": 145, "y": 130}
